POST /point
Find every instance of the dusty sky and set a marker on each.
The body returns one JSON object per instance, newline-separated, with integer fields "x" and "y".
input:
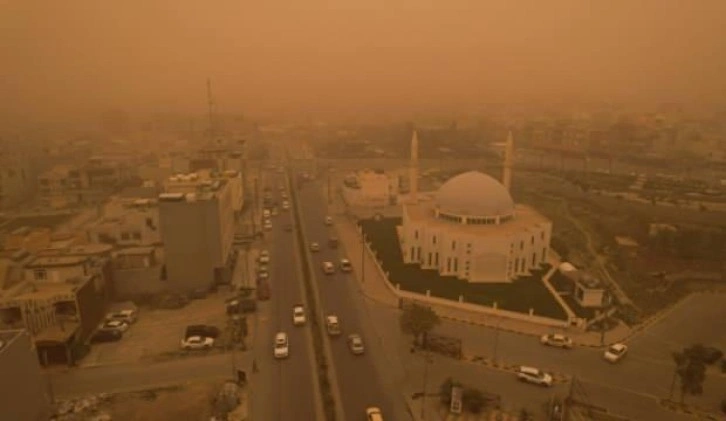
{"x": 70, "y": 56}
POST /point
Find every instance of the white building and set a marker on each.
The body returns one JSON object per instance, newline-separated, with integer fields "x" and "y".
{"x": 369, "y": 188}
{"x": 192, "y": 182}
{"x": 471, "y": 228}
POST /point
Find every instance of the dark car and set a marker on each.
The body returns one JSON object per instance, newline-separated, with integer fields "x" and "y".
{"x": 241, "y": 305}
{"x": 263, "y": 290}
{"x": 205, "y": 331}
{"x": 106, "y": 335}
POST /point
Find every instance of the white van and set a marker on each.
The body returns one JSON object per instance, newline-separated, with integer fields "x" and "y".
{"x": 266, "y": 214}
{"x": 328, "y": 268}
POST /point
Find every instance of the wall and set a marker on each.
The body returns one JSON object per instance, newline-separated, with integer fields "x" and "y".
{"x": 132, "y": 283}
{"x": 55, "y": 274}
{"x": 25, "y": 392}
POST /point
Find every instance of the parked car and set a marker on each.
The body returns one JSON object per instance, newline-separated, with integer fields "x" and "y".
{"x": 314, "y": 247}
{"x": 328, "y": 268}
{"x": 116, "y": 324}
{"x": 345, "y": 265}
{"x": 197, "y": 342}
{"x": 267, "y": 226}
{"x": 281, "y": 348}
{"x": 263, "y": 290}
{"x": 241, "y": 305}
{"x": 298, "y": 315}
{"x": 332, "y": 325}
{"x": 333, "y": 243}
{"x": 128, "y": 316}
{"x": 106, "y": 335}
{"x": 355, "y": 343}
{"x": 615, "y": 352}
{"x": 374, "y": 414}
{"x": 328, "y": 220}
{"x": 264, "y": 256}
{"x": 556, "y": 340}
{"x": 534, "y": 376}
{"x": 205, "y": 331}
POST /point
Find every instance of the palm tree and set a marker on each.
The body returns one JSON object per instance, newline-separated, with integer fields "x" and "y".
{"x": 418, "y": 320}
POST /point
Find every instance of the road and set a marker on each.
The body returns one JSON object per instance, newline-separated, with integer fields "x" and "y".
{"x": 362, "y": 380}
{"x": 283, "y": 389}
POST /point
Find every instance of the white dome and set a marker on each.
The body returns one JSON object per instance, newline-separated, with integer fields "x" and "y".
{"x": 474, "y": 194}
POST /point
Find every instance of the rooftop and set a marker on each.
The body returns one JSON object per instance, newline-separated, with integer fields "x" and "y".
{"x": 54, "y": 261}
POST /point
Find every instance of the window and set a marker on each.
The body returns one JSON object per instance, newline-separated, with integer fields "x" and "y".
{"x": 418, "y": 254}
{"x": 453, "y": 245}
{"x": 429, "y": 259}
{"x": 448, "y": 264}
{"x": 436, "y": 259}
{"x": 40, "y": 274}
{"x": 541, "y": 235}
{"x": 413, "y": 253}
{"x": 534, "y": 259}
{"x": 415, "y": 234}
{"x": 456, "y": 264}
{"x": 544, "y": 255}
{"x": 136, "y": 235}
{"x": 433, "y": 239}
{"x": 532, "y": 240}
{"x": 521, "y": 245}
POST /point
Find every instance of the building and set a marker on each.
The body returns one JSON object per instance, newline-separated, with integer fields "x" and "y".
{"x": 370, "y": 188}
{"x": 26, "y": 393}
{"x": 127, "y": 223}
{"x": 192, "y": 182}
{"x": 588, "y": 291}
{"x": 17, "y": 180}
{"x": 197, "y": 230}
{"x": 138, "y": 272}
{"x": 471, "y": 229}
{"x": 59, "y": 301}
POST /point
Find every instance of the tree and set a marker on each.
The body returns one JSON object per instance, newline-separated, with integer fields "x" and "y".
{"x": 690, "y": 371}
{"x": 418, "y": 320}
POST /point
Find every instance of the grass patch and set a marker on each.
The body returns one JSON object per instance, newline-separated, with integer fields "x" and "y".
{"x": 520, "y": 295}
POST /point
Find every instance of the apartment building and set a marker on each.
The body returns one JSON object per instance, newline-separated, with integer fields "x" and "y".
{"x": 17, "y": 180}
{"x": 25, "y": 390}
{"x": 192, "y": 182}
{"x": 197, "y": 229}
{"x": 127, "y": 223}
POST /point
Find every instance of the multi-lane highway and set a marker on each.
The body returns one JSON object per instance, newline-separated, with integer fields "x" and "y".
{"x": 282, "y": 389}
{"x": 361, "y": 379}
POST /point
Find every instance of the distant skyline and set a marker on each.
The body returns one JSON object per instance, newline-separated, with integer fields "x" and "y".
{"x": 358, "y": 58}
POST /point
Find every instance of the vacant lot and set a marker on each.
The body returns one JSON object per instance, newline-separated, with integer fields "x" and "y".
{"x": 158, "y": 332}
{"x": 521, "y": 295}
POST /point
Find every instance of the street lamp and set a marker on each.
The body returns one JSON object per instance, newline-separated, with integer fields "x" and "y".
{"x": 362, "y": 255}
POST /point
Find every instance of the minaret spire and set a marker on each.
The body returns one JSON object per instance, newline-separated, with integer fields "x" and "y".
{"x": 508, "y": 161}
{"x": 413, "y": 169}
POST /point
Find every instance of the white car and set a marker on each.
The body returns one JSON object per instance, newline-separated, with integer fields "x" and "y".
{"x": 556, "y": 340}
{"x": 298, "y": 315}
{"x": 615, "y": 352}
{"x": 355, "y": 343}
{"x": 328, "y": 220}
{"x": 328, "y": 268}
{"x": 267, "y": 226}
{"x": 126, "y": 316}
{"x": 374, "y": 414}
{"x": 332, "y": 325}
{"x": 197, "y": 342}
{"x": 534, "y": 375}
{"x": 116, "y": 324}
{"x": 345, "y": 265}
{"x": 281, "y": 349}
{"x": 314, "y": 246}
{"x": 285, "y": 205}
{"x": 264, "y": 257}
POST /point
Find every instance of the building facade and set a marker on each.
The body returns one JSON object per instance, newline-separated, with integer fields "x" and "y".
{"x": 472, "y": 230}
{"x": 25, "y": 390}
{"x": 197, "y": 231}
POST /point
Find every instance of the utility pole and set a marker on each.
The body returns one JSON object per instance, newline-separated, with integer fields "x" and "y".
{"x": 362, "y": 255}
{"x": 425, "y": 381}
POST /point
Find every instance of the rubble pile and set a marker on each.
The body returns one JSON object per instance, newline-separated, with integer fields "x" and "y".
{"x": 82, "y": 409}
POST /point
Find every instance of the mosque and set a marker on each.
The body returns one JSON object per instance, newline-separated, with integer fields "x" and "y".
{"x": 471, "y": 228}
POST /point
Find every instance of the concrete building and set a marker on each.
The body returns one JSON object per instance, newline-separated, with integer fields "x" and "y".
{"x": 370, "y": 188}
{"x": 197, "y": 230}
{"x": 471, "y": 229}
{"x": 127, "y": 223}
{"x": 59, "y": 301}
{"x": 17, "y": 180}
{"x": 192, "y": 182}
{"x": 588, "y": 291}
{"x": 138, "y": 272}
{"x": 25, "y": 390}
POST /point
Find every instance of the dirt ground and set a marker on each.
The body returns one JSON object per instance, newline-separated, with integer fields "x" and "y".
{"x": 190, "y": 402}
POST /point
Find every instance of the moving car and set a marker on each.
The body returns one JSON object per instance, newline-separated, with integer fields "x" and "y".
{"x": 314, "y": 246}
{"x": 332, "y": 325}
{"x": 328, "y": 268}
{"x": 264, "y": 256}
{"x": 281, "y": 348}
{"x": 116, "y": 324}
{"x": 266, "y": 214}
{"x": 285, "y": 205}
{"x": 615, "y": 352}
{"x": 197, "y": 342}
{"x": 534, "y": 376}
{"x": 345, "y": 265}
{"x": 355, "y": 343}
{"x": 328, "y": 220}
{"x": 556, "y": 340}
{"x": 298, "y": 315}
{"x": 374, "y": 414}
